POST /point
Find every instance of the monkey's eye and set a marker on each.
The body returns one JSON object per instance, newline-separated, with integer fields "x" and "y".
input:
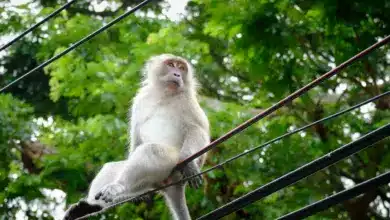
{"x": 182, "y": 68}
{"x": 170, "y": 64}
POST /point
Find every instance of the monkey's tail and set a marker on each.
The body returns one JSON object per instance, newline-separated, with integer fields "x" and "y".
{"x": 81, "y": 209}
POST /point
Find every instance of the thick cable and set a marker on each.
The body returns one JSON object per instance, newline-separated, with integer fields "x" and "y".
{"x": 283, "y": 102}
{"x": 338, "y": 197}
{"x": 127, "y": 199}
{"x": 54, "y": 13}
{"x": 78, "y": 43}
{"x": 300, "y": 173}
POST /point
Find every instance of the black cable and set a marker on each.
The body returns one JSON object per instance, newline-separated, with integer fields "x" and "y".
{"x": 338, "y": 198}
{"x": 293, "y": 132}
{"x": 302, "y": 172}
{"x": 127, "y": 199}
{"x": 78, "y": 43}
{"x": 54, "y": 13}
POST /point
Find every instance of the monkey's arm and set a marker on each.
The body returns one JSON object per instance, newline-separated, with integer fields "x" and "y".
{"x": 135, "y": 140}
{"x": 195, "y": 139}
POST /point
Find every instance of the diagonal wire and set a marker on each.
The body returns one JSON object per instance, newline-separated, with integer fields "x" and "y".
{"x": 292, "y": 132}
{"x": 338, "y": 197}
{"x": 283, "y": 102}
{"x": 54, "y": 13}
{"x": 78, "y": 43}
{"x": 126, "y": 199}
{"x": 300, "y": 173}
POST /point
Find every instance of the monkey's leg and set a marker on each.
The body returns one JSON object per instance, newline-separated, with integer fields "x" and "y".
{"x": 176, "y": 200}
{"x": 147, "y": 166}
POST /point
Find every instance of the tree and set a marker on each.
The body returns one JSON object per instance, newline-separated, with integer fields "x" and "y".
{"x": 61, "y": 124}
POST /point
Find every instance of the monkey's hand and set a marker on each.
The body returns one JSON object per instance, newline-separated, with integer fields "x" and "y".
{"x": 189, "y": 170}
{"x": 109, "y": 192}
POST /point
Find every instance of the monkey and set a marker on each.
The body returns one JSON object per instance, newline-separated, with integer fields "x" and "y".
{"x": 166, "y": 126}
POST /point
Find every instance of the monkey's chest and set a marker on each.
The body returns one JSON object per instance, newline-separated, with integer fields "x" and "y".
{"x": 163, "y": 127}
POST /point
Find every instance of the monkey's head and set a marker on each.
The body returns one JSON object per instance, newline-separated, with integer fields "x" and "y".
{"x": 170, "y": 73}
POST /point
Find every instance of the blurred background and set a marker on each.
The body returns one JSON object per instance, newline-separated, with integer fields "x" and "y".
{"x": 59, "y": 125}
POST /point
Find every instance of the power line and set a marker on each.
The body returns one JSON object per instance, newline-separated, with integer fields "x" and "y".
{"x": 300, "y": 173}
{"x": 127, "y": 199}
{"x": 283, "y": 102}
{"x": 338, "y": 198}
{"x": 290, "y": 133}
{"x": 37, "y": 25}
{"x": 78, "y": 43}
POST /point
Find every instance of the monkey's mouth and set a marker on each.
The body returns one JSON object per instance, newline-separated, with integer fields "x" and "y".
{"x": 173, "y": 83}
{"x": 173, "y": 86}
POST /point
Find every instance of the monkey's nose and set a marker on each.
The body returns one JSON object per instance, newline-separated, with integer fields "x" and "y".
{"x": 176, "y": 74}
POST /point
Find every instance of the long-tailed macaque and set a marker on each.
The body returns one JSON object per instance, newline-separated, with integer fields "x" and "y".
{"x": 167, "y": 125}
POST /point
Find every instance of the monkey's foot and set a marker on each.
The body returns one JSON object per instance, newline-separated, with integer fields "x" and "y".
{"x": 109, "y": 192}
{"x": 190, "y": 170}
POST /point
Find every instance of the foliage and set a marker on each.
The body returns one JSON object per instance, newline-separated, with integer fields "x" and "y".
{"x": 61, "y": 124}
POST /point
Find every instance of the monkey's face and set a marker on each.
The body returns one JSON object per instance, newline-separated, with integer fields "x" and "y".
{"x": 167, "y": 72}
{"x": 173, "y": 74}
